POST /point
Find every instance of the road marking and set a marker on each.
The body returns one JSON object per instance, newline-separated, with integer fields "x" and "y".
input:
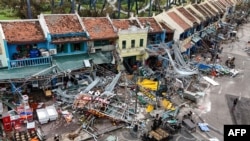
{"x": 243, "y": 65}
{"x": 239, "y": 96}
{"x": 220, "y": 90}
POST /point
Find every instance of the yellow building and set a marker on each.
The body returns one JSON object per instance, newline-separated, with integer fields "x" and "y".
{"x": 132, "y": 41}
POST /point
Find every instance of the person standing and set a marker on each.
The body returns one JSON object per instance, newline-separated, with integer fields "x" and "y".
{"x": 235, "y": 102}
{"x": 56, "y": 138}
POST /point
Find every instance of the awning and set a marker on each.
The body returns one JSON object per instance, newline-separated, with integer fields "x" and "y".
{"x": 70, "y": 62}
{"x": 196, "y": 39}
{"x": 25, "y": 72}
{"x": 101, "y": 57}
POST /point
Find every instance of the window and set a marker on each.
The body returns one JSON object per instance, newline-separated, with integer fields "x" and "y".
{"x": 182, "y": 36}
{"x": 25, "y": 51}
{"x": 59, "y": 48}
{"x": 101, "y": 43}
{"x": 141, "y": 42}
{"x": 132, "y": 43}
{"x": 76, "y": 47}
{"x": 169, "y": 37}
{"x": 123, "y": 44}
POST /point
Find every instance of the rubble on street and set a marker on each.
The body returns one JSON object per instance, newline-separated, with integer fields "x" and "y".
{"x": 154, "y": 103}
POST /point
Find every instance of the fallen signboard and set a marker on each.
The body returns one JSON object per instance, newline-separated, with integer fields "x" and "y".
{"x": 211, "y": 81}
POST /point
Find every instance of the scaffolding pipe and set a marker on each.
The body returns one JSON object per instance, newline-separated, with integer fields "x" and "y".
{"x": 178, "y": 70}
{"x": 110, "y": 87}
{"x": 92, "y": 85}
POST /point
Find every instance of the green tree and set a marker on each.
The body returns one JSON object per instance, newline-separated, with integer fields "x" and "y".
{"x": 20, "y": 7}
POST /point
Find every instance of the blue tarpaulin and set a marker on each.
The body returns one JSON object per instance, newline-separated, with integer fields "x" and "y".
{"x": 203, "y": 127}
{"x": 204, "y": 67}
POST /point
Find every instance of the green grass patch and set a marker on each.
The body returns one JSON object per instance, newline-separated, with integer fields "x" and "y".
{"x": 3, "y": 17}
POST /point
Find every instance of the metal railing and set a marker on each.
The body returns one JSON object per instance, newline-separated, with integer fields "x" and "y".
{"x": 29, "y": 62}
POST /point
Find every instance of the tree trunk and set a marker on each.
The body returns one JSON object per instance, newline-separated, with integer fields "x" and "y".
{"x": 61, "y": 3}
{"x": 119, "y": 8}
{"x": 90, "y": 4}
{"x": 129, "y": 3}
{"x": 72, "y": 9}
{"x": 150, "y": 8}
{"x": 167, "y": 4}
{"x": 79, "y": 6}
{"x": 29, "y": 9}
{"x": 136, "y": 7}
{"x": 52, "y": 6}
{"x": 94, "y": 4}
{"x": 103, "y": 6}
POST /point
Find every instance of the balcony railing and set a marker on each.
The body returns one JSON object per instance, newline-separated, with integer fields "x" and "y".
{"x": 136, "y": 50}
{"x": 29, "y": 62}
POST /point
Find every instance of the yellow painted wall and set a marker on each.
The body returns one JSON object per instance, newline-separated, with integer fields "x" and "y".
{"x": 138, "y": 50}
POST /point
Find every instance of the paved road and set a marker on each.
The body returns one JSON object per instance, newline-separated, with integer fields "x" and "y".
{"x": 219, "y": 112}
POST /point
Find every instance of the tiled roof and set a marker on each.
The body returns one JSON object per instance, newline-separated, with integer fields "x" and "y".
{"x": 230, "y": 2}
{"x": 206, "y": 10}
{"x": 150, "y": 21}
{"x": 124, "y": 24}
{"x": 164, "y": 26}
{"x": 69, "y": 39}
{"x": 185, "y": 13}
{"x": 23, "y": 31}
{"x": 178, "y": 20}
{"x": 99, "y": 27}
{"x": 210, "y": 8}
{"x": 201, "y": 10}
{"x": 62, "y": 24}
{"x": 221, "y": 3}
{"x": 195, "y": 14}
{"x": 226, "y": 3}
{"x": 216, "y": 6}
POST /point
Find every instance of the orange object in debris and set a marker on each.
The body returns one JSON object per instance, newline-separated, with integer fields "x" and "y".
{"x": 68, "y": 118}
{"x": 213, "y": 73}
{"x": 198, "y": 58}
{"x": 34, "y": 105}
{"x": 34, "y": 139}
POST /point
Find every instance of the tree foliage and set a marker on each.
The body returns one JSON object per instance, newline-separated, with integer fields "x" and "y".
{"x": 20, "y": 9}
{"x": 87, "y": 8}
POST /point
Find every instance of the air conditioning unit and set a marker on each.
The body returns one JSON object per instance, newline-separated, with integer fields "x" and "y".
{"x": 45, "y": 53}
{"x": 52, "y": 51}
{"x": 92, "y": 50}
